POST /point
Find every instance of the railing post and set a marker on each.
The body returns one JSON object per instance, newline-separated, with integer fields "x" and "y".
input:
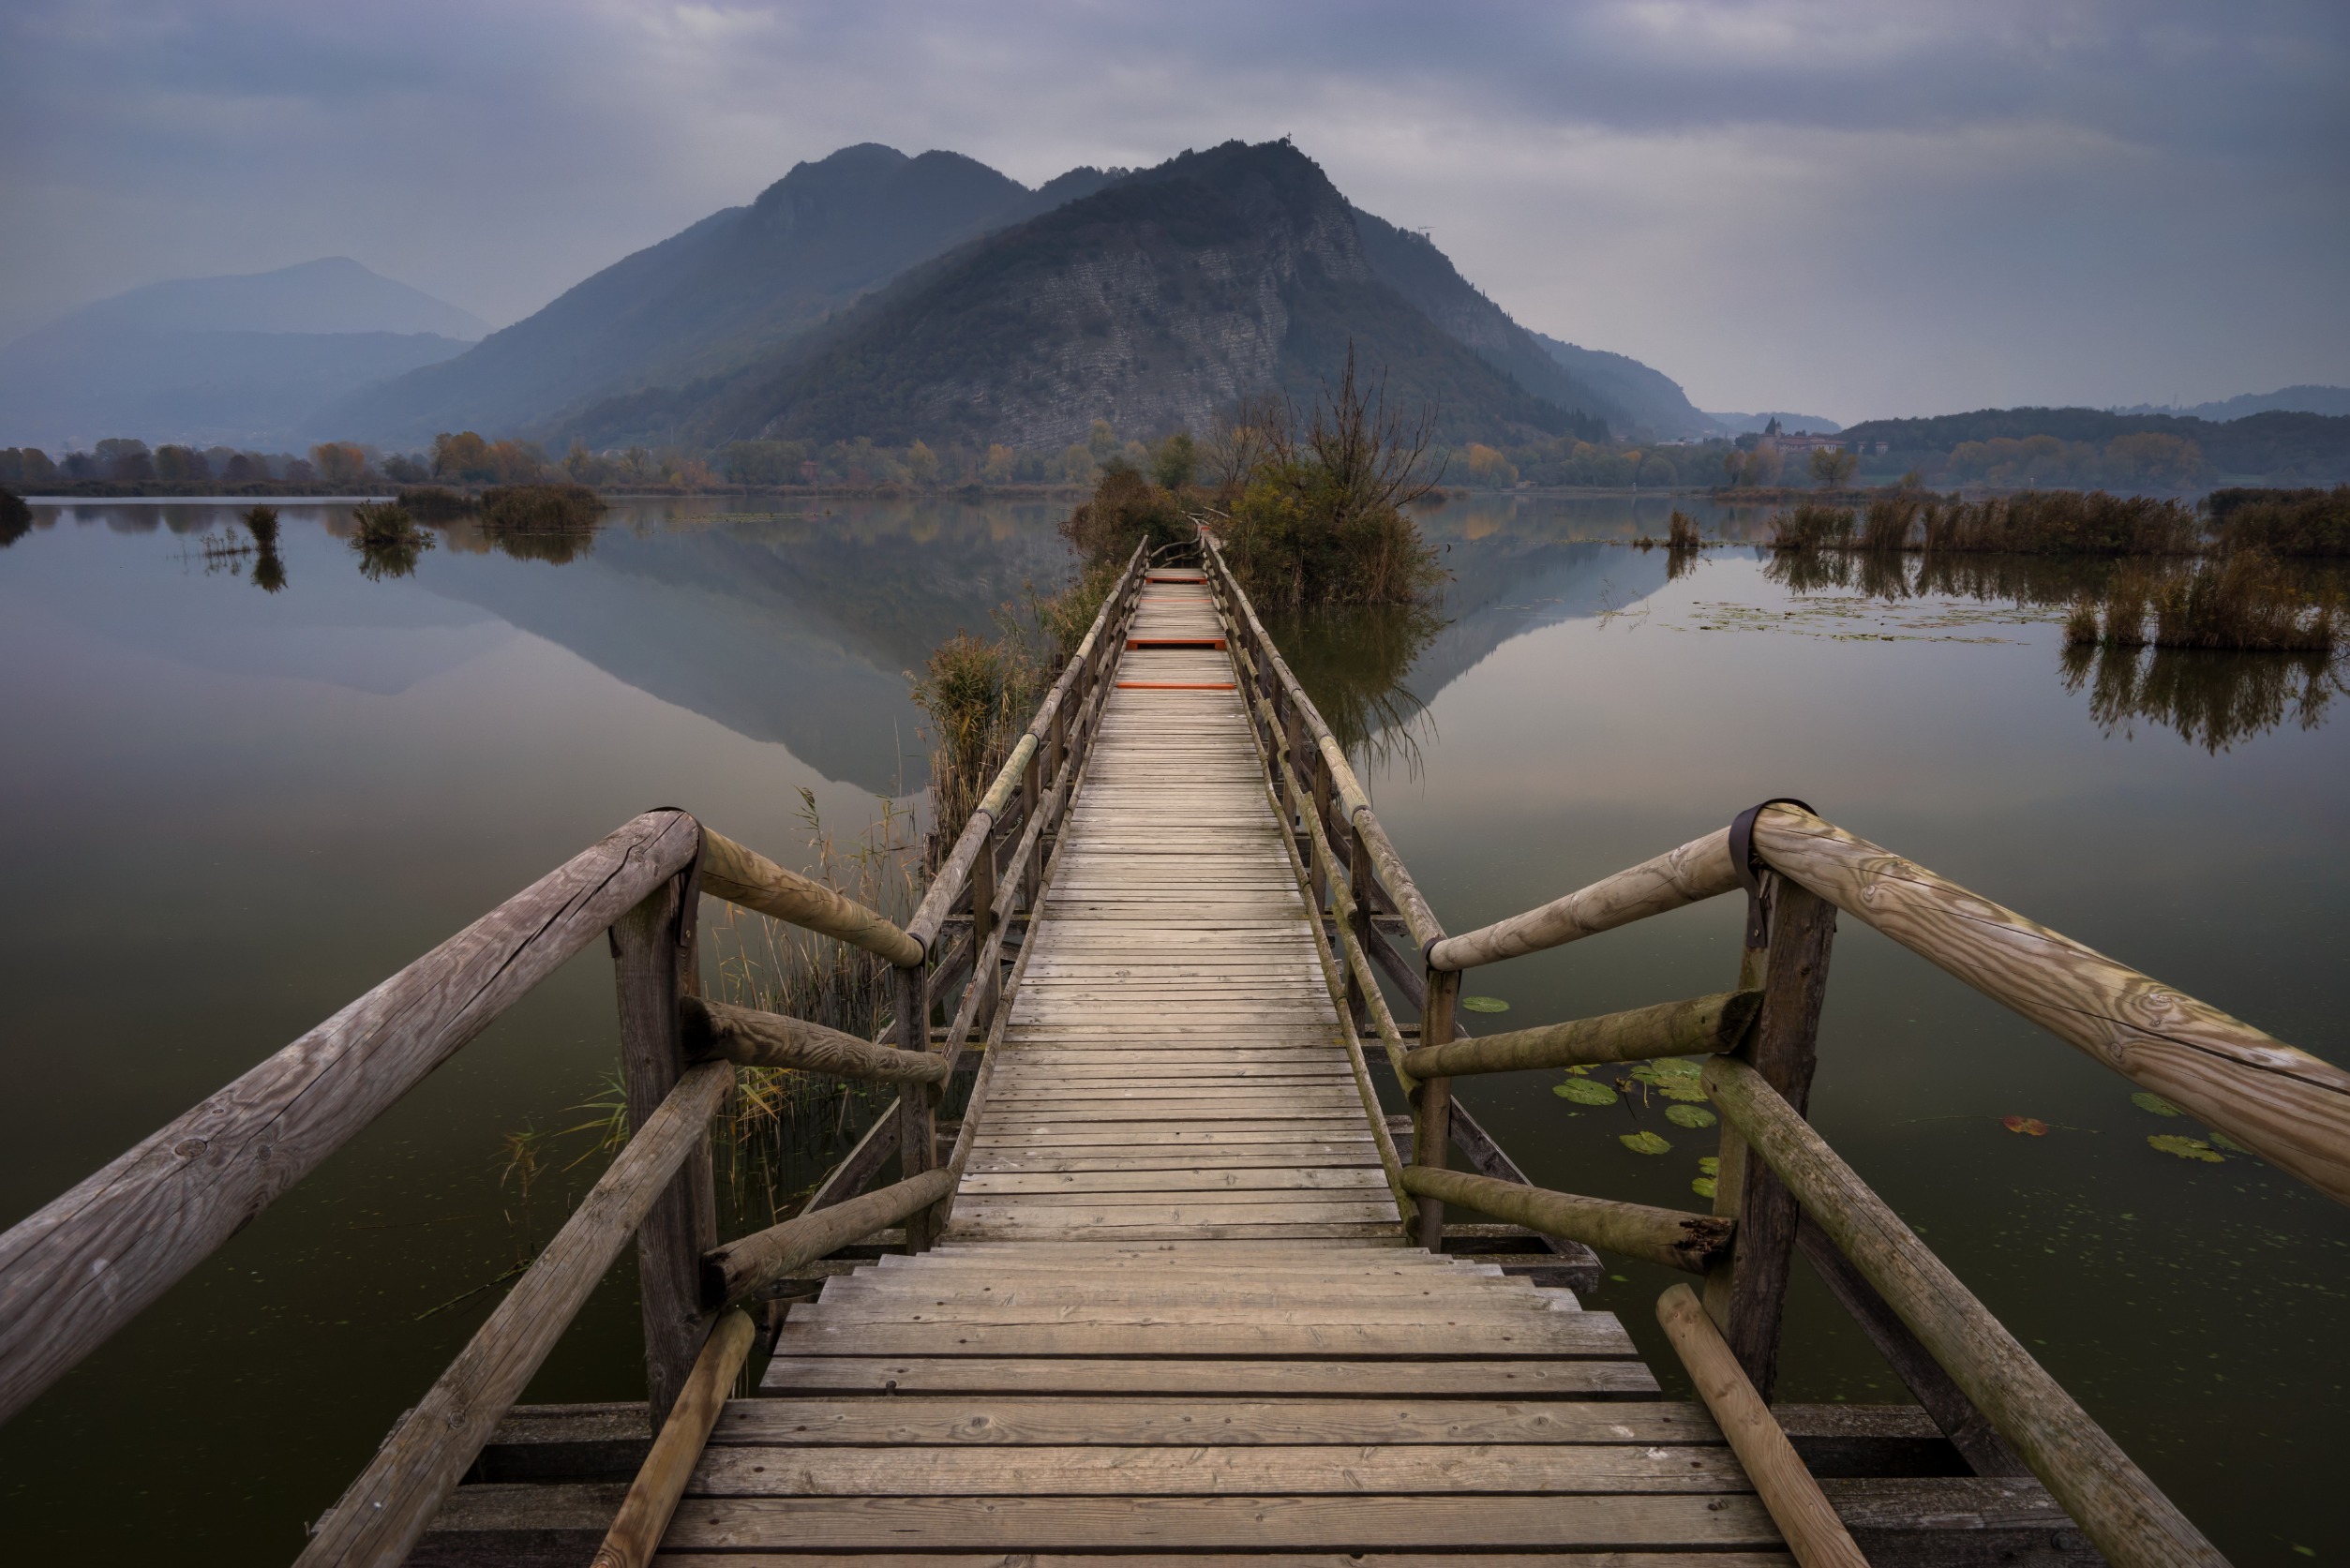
{"x": 1032, "y": 798}
{"x": 918, "y": 1103}
{"x": 653, "y": 965}
{"x": 1431, "y": 1102}
{"x": 1358, "y": 877}
{"x": 1747, "y": 1294}
{"x": 982, "y": 915}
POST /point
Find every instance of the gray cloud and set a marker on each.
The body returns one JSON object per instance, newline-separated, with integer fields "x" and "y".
{"x": 1852, "y": 208}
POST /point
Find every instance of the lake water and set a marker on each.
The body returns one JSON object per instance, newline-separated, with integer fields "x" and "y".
{"x": 231, "y": 811}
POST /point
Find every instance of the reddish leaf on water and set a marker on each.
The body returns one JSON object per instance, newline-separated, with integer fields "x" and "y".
{"x": 2030, "y": 1127}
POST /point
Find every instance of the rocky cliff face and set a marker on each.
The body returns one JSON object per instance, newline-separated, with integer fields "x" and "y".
{"x": 1150, "y": 304}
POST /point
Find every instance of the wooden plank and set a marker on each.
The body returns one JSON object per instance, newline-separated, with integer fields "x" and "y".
{"x": 1559, "y": 1471}
{"x": 80, "y": 1267}
{"x": 1565, "y": 1334}
{"x": 794, "y": 1372}
{"x": 1031, "y": 1524}
{"x": 1013, "y": 1420}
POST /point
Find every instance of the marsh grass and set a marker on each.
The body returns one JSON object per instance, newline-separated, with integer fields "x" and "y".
{"x": 387, "y": 539}
{"x": 1812, "y": 527}
{"x": 438, "y": 501}
{"x": 977, "y": 693}
{"x": 2244, "y": 602}
{"x": 554, "y": 523}
{"x": 2283, "y": 522}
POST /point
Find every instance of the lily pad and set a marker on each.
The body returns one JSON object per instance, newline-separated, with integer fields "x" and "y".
{"x": 2030, "y": 1127}
{"x": 1484, "y": 1004}
{"x": 1645, "y": 1144}
{"x": 1702, "y": 1185}
{"x": 1582, "y": 1091}
{"x": 2186, "y": 1148}
{"x": 2146, "y": 1100}
{"x": 2221, "y": 1140}
{"x": 1580, "y": 1070}
{"x": 1676, "y": 1078}
{"x": 1711, "y": 1165}
{"x": 1690, "y": 1115}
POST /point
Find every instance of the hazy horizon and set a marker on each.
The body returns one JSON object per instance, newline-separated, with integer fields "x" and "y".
{"x": 1820, "y": 207}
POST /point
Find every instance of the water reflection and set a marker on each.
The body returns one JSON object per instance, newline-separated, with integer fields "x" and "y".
{"x": 1352, "y": 661}
{"x": 2214, "y": 700}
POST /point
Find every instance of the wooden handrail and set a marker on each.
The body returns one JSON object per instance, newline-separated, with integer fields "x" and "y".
{"x": 748, "y": 879}
{"x": 2120, "y": 1510}
{"x": 1700, "y": 1024}
{"x": 750, "y": 1038}
{"x": 743, "y": 1268}
{"x": 2285, "y": 1105}
{"x": 384, "y": 1512}
{"x": 1699, "y": 870}
{"x": 76, "y": 1271}
{"x": 955, "y": 871}
{"x": 1673, "y": 1237}
{"x": 1797, "y": 1505}
{"x": 652, "y": 1498}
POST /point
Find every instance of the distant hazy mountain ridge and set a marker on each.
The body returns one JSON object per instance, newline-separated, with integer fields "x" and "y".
{"x": 1151, "y": 303}
{"x": 2333, "y": 400}
{"x": 243, "y": 360}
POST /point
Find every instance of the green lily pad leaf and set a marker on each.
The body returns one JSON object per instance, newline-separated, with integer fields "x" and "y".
{"x": 1711, "y": 1165}
{"x": 1582, "y": 1091}
{"x": 1688, "y": 1094}
{"x": 2186, "y": 1148}
{"x": 1484, "y": 1004}
{"x": 2221, "y": 1140}
{"x": 1645, "y": 1143}
{"x": 2156, "y": 1103}
{"x": 1702, "y": 1185}
{"x": 1580, "y": 1070}
{"x": 1690, "y": 1115}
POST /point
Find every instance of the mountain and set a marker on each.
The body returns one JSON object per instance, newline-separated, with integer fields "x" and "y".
{"x": 1754, "y": 424}
{"x": 242, "y": 361}
{"x": 1151, "y": 303}
{"x": 1652, "y": 402}
{"x": 720, "y": 293}
{"x": 2334, "y": 400}
{"x": 1411, "y": 264}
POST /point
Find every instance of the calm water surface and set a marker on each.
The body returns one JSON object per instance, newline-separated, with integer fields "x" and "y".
{"x": 231, "y": 811}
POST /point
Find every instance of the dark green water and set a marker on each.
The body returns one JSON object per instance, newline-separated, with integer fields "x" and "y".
{"x": 231, "y": 810}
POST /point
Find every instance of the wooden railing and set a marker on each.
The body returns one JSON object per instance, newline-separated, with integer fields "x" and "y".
{"x": 1780, "y": 1187}
{"x": 77, "y": 1272}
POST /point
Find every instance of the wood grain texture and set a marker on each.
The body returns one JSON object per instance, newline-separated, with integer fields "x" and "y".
{"x": 385, "y": 1511}
{"x": 1814, "y": 1532}
{"x": 1699, "y": 870}
{"x": 2119, "y": 1509}
{"x": 80, "y": 1268}
{"x": 652, "y": 964}
{"x": 746, "y": 877}
{"x": 2284, "y": 1104}
{"x": 750, "y": 1038}
{"x": 1700, "y": 1024}
{"x": 1672, "y": 1237}
{"x": 652, "y": 1496}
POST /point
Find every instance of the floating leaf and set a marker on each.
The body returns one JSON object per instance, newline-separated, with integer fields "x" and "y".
{"x": 1582, "y": 1091}
{"x": 1686, "y": 1093}
{"x": 1580, "y": 1070}
{"x": 2156, "y": 1103}
{"x": 1690, "y": 1115}
{"x": 1675, "y": 1078}
{"x": 2030, "y": 1127}
{"x": 1484, "y": 1004}
{"x": 2186, "y": 1148}
{"x": 1711, "y": 1165}
{"x": 1649, "y": 1143}
{"x": 1702, "y": 1185}
{"x": 2221, "y": 1140}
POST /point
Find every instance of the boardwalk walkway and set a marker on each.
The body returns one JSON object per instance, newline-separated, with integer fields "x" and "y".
{"x": 1174, "y": 1312}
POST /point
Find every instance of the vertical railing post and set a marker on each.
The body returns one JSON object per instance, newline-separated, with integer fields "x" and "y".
{"x": 1747, "y": 1294}
{"x": 1032, "y": 796}
{"x": 982, "y": 917}
{"x": 1358, "y": 877}
{"x": 1431, "y": 1102}
{"x": 918, "y": 1103}
{"x": 654, "y": 970}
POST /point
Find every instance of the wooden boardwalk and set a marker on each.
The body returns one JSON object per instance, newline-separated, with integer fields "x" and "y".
{"x": 1174, "y": 1312}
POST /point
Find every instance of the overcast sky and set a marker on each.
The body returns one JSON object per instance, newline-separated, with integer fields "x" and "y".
{"x": 1849, "y": 209}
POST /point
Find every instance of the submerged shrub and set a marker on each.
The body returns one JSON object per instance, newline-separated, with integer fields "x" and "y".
{"x": 1127, "y": 509}
{"x": 435, "y": 501}
{"x": 563, "y": 508}
{"x": 1812, "y": 527}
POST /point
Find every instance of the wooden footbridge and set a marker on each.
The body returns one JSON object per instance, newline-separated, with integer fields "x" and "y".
{"x": 1171, "y": 1291}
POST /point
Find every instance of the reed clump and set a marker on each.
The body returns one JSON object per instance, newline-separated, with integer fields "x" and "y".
{"x": 2062, "y": 522}
{"x": 1889, "y": 522}
{"x": 2283, "y": 522}
{"x": 977, "y": 693}
{"x": 1812, "y": 527}
{"x": 1681, "y": 532}
{"x": 2245, "y": 602}
{"x": 387, "y": 539}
